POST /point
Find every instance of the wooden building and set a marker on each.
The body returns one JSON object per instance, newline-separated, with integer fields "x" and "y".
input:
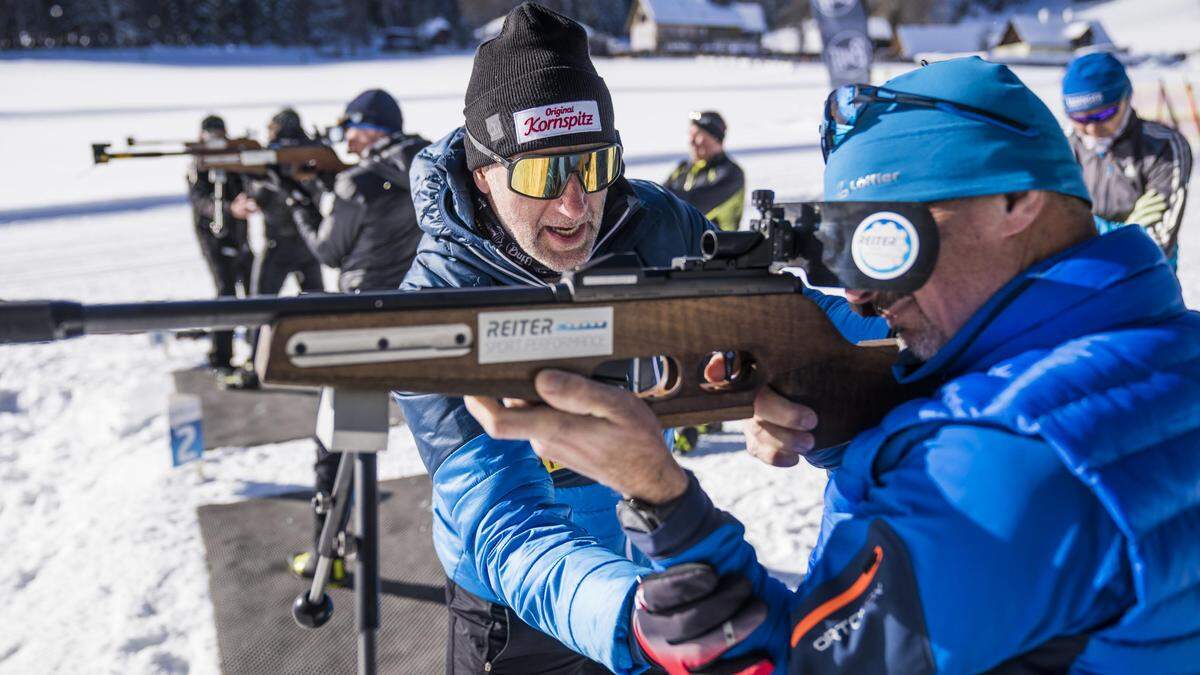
{"x": 696, "y": 27}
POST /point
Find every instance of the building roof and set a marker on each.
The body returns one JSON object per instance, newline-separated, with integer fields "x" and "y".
{"x": 942, "y": 38}
{"x": 747, "y": 16}
{"x": 1053, "y": 32}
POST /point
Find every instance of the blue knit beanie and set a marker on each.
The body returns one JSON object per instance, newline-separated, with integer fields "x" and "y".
{"x": 898, "y": 152}
{"x": 1093, "y": 81}
{"x": 375, "y": 109}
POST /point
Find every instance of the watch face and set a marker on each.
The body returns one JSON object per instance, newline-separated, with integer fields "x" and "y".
{"x": 637, "y": 516}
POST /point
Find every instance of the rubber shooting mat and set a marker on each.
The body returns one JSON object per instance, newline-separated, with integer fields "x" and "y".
{"x": 248, "y": 545}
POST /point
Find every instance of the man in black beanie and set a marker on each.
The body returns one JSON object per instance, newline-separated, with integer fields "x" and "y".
{"x": 221, "y": 235}
{"x": 708, "y": 179}
{"x": 538, "y": 569}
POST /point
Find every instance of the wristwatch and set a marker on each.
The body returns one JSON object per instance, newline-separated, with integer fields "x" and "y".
{"x": 641, "y": 516}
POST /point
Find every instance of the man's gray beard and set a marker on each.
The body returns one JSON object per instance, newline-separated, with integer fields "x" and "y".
{"x": 923, "y": 344}
{"x": 551, "y": 258}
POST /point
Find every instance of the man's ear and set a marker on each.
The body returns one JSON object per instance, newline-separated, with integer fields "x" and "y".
{"x": 481, "y": 183}
{"x": 1021, "y": 210}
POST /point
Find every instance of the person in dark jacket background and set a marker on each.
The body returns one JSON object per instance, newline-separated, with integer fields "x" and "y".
{"x": 538, "y": 571}
{"x": 370, "y": 232}
{"x": 221, "y": 235}
{"x": 285, "y": 253}
{"x": 708, "y": 179}
{"x": 1136, "y": 170}
{"x": 369, "y": 235}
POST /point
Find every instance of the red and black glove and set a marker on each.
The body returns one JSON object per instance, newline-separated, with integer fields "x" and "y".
{"x": 685, "y": 618}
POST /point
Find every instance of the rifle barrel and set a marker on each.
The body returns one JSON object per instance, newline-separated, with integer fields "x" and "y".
{"x": 48, "y": 320}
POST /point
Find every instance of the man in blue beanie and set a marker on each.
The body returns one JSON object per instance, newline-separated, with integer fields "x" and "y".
{"x": 368, "y": 233}
{"x": 1136, "y": 170}
{"x": 1038, "y": 512}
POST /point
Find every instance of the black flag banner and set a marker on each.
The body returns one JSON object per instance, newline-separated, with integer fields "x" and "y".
{"x": 847, "y": 49}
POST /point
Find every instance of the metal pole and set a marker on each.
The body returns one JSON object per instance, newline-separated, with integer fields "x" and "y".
{"x": 217, "y": 176}
{"x": 1191, "y": 96}
{"x": 1166, "y": 99}
{"x": 366, "y": 582}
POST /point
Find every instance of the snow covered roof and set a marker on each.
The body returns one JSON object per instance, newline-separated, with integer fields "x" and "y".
{"x": 1031, "y": 30}
{"x": 942, "y": 38}
{"x": 1052, "y": 31}
{"x": 432, "y": 27}
{"x": 747, "y": 16}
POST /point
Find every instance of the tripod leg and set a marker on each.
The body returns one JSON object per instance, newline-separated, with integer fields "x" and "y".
{"x": 334, "y": 522}
{"x": 366, "y": 582}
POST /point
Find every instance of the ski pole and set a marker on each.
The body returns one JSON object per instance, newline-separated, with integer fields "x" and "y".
{"x": 1191, "y": 97}
{"x": 1166, "y": 99}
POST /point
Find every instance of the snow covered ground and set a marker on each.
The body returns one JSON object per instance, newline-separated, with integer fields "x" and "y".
{"x": 102, "y": 551}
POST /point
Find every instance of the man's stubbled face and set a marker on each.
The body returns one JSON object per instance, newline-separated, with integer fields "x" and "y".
{"x": 910, "y": 323}
{"x": 559, "y": 233}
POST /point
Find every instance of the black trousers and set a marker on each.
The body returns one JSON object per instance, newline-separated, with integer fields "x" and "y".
{"x": 282, "y": 257}
{"x": 489, "y": 638}
{"x": 229, "y": 263}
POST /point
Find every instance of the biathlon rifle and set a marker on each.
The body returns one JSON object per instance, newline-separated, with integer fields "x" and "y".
{"x": 234, "y": 155}
{"x": 316, "y": 158}
{"x": 102, "y": 152}
{"x": 737, "y": 297}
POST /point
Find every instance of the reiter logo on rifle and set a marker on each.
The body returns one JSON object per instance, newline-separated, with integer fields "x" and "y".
{"x": 885, "y": 245}
{"x": 535, "y": 335}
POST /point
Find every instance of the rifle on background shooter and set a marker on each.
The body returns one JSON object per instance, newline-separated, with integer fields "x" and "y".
{"x": 736, "y": 297}
{"x": 234, "y": 155}
{"x": 102, "y": 153}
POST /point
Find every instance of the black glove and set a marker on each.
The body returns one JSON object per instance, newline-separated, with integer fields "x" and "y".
{"x": 291, "y": 188}
{"x": 685, "y": 618}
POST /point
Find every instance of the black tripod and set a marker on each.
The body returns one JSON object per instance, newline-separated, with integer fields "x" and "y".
{"x": 355, "y": 423}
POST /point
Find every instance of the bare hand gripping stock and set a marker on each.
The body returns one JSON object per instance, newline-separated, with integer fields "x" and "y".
{"x": 736, "y": 297}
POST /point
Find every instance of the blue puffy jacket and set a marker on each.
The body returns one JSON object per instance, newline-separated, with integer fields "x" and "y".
{"x": 1042, "y": 507}
{"x": 546, "y": 544}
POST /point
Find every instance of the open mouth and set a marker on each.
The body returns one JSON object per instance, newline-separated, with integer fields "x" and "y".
{"x": 566, "y": 236}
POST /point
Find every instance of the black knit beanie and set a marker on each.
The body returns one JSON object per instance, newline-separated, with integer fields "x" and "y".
{"x": 534, "y": 87}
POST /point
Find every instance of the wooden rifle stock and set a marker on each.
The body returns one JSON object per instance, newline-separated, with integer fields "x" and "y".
{"x": 309, "y": 159}
{"x": 787, "y": 339}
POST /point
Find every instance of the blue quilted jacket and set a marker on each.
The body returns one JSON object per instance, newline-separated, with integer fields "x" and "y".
{"x": 1043, "y": 507}
{"x": 544, "y": 543}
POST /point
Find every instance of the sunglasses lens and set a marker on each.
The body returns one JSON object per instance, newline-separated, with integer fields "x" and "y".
{"x": 599, "y": 168}
{"x": 547, "y": 177}
{"x": 1098, "y": 116}
{"x": 535, "y": 177}
{"x": 842, "y": 108}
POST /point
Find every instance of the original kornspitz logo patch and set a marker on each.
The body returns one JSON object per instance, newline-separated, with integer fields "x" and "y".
{"x": 556, "y": 119}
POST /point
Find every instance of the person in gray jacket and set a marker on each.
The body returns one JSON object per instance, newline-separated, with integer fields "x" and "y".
{"x": 1136, "y": 170}
{"x": 370, "y": 232}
